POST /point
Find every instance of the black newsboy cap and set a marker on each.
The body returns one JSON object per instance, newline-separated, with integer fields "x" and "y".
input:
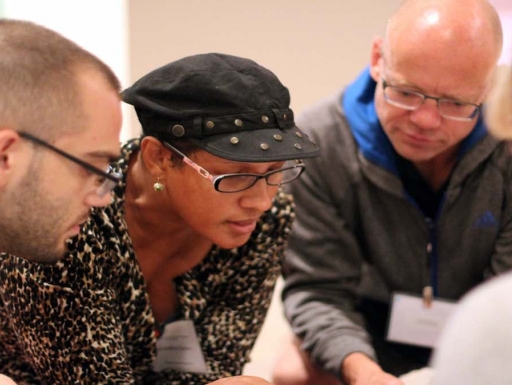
{"x": 227, "y": 105}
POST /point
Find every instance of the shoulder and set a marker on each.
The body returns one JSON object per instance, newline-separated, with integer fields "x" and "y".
{"x": 104, "y": 237}
{"x": 322, "y": 114}
{"x": 280, "y": 215}
{"x": 103, "y": 246}
{"x": 283, "y": 202}
{"x": 326, "y": 124}
{"x": 501, "y": 155}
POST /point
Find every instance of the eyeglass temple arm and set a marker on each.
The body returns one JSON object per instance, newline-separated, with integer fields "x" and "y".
{"x": 114, "y": 177}
{"x": 190, "y": 162}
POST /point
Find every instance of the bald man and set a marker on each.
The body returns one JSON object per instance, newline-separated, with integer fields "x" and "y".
{"x": 408, "y": 207}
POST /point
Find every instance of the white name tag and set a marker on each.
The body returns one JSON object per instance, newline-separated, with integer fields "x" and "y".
{"x": 178, "y": 348}
{"x": 411, "y": 322}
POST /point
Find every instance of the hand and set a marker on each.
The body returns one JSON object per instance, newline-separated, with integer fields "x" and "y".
{"x": 241, "y": 380}
{"x": 379, "y": 377}
{"x": 359, "y": 369}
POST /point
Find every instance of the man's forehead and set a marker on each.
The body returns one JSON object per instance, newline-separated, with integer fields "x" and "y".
{"x": 94, "y": 143}
{"x": 431, "y": 75}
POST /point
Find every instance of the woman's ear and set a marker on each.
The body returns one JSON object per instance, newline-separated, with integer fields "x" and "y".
{"x": 155, "y": 156}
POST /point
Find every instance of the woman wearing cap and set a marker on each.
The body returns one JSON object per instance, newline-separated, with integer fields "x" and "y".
{"x": 171, "y": 282}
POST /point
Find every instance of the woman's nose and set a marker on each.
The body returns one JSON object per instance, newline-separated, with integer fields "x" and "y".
{"x": 259, "y": 196}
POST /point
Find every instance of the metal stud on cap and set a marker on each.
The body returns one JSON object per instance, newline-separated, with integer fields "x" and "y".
{"x": 298, "y": 146}
{"x": 278, "y": 137}
{"x": 238, "y": 122}
{"x": 210, "y": 124}
{"x": 264, "y": 118}
{"x": 299, "y": 134}
{"x": 264, "y": 146}
{"x": 234, "y": 140}
{"x": 178, "y": 130}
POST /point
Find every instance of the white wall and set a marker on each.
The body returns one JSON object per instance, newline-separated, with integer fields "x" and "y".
{"x": 313, "y": 46}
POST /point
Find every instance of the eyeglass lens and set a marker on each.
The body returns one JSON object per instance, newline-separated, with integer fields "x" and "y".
{"x": 240, "y": 182}
{"x": 108, "y": 185}
{"x": 412, "y": 100}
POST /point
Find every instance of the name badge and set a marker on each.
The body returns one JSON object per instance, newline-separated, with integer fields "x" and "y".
{"x": 178, "y": 348}
{"x": 412, "y": 321}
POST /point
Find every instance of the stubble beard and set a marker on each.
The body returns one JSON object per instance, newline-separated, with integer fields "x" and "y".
{"x": 29, "y": 221}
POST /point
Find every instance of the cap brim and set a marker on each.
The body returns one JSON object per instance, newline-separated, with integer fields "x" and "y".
{"x": 263, "y": 145}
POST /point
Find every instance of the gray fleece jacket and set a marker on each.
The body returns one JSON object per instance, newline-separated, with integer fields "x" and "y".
{"x": 358, "y": 234}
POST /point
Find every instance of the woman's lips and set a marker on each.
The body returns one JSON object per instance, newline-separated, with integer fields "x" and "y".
{"x": 243, "y": 227}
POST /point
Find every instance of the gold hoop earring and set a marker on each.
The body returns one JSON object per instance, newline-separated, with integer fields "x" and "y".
{"x": 158, "y": 187}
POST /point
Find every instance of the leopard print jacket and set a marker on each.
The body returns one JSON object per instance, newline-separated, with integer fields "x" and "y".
{"x": 88, "y": 320}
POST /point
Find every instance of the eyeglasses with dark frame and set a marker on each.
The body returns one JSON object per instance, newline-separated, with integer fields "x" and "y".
{"x": 232, "y": 183}
{"x": 412, "y": 100}
{"x": 109, "y": 178}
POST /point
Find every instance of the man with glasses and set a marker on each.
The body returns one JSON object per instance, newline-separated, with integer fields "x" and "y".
{"x": 60, "y": 119}
{"x": 408, "y": 208}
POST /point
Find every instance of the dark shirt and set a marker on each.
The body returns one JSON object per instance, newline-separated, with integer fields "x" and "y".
{"x": 396, "y": 358}
{"x": 427, "y": 199}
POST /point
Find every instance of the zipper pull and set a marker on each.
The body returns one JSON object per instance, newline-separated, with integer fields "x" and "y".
{"x": 428, "y": 296}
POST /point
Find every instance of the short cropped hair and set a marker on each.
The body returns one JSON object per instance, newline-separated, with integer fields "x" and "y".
{"x": 39, "y": 87}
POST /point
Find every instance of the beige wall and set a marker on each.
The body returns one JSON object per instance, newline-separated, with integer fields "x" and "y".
{"x": 313, "y": 46}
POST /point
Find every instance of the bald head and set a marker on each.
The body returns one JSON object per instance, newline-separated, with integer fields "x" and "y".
{"x": 441, "y": 28}
{"x": 444, "y": 49}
